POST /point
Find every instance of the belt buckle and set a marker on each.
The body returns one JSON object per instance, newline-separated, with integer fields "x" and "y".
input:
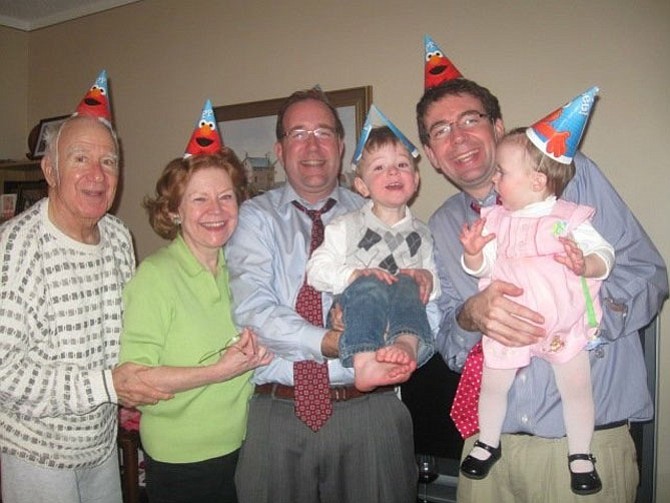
{"x": 340, "y": 393}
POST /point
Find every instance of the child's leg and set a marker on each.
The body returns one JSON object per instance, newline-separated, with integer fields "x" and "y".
{"x": 492, "y": 407}
{"x": 407, "y": 329}
{"x": 407, "y": 315}
{"x": 573, "y": 380}
{"x": 364, "y": 311}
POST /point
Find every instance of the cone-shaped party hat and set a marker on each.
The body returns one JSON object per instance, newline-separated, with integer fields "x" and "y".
{"x": 96, "y": 101}
{"x": 365, "y": 133}
{"x": 559, "y": 133}
{"x": 205, "y": 138}
{"x": 437, "y": 67}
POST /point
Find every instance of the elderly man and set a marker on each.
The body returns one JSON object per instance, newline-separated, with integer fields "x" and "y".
{"x": 65, "y": 262}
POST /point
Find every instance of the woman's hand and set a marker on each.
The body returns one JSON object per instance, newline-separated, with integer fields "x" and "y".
{"x": 244, "y": 355}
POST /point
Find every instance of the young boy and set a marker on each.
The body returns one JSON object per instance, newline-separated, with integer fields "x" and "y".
{"x": 380, "y": 259}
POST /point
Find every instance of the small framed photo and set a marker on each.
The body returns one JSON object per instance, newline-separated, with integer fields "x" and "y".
{"x": 45, "y": 124}
{"x": 28, "y": 193}
{"x": 7, "y": 206}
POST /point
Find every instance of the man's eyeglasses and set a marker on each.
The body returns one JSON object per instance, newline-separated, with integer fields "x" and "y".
{"x": 320, "y": 134}
{"x": 469, "y": 120}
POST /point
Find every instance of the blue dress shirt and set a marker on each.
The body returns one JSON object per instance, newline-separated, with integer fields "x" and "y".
{"x": 266, "y": 258}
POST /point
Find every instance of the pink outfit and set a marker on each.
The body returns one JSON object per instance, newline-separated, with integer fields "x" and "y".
{"x": 525, "y": 257}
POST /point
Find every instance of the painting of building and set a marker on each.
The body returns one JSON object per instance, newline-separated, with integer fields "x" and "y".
{"x": 260, "y": 173}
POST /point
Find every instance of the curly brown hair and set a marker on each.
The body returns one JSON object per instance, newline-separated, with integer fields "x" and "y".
{"x": 172, "y": 183}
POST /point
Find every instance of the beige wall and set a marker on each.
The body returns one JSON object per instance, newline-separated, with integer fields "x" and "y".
{"x": 13, "y": 93}
{"x": 165, "y": 57}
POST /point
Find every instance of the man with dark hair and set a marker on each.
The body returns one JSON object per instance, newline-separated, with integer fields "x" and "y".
{"x": 459, "y": 125}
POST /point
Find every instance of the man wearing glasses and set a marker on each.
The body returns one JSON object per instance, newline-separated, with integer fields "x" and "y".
{"x": 348, "y": 446}
{"x": 459, "y": 125}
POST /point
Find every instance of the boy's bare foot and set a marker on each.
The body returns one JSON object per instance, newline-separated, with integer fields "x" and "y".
{"x": 392, "y": 364}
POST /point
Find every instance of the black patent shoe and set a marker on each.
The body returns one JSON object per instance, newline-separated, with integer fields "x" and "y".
{"x": 587, "y": 482}
{"x": 477, "y": 469}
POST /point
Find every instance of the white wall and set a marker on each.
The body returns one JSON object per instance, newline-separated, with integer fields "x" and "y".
{"x": 165, "y": 57}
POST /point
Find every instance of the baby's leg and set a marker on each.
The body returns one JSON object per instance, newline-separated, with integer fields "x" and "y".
{"x": 573, "y": 380}
{"x": 392, "y": 364}
{"x": 492, "y": 407}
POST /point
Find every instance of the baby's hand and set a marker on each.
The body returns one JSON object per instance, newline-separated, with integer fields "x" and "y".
{"x": 573, "y": 258}
{"x": 471, "y": 237}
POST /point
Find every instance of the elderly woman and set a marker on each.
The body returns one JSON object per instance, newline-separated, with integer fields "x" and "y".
{"x": 178, "y": 320}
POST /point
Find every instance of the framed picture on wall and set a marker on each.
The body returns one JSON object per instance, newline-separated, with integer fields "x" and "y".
{"x": 39, "y": 148}
{"x": 7, "y": 206}
{"x": 249, "y": 129}
{"x": 28, "y": 193}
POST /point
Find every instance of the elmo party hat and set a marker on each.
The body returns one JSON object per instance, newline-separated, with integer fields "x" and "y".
{"x": 205, "y": 138}
{"x": 365, "y": 133}
{"x": 437, "y": 67}
{"x": 559, "y": 133}
{"x": 96, "y": 101}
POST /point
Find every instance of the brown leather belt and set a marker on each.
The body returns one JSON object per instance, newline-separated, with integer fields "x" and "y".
{"x": 598, "y": 427}
{"x": 337, "y": 393}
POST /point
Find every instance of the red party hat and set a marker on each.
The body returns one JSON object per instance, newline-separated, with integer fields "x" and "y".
{"x": 438, "y": 68}
{"x": 205, "y": 138}
{"x": 96, "y": 101}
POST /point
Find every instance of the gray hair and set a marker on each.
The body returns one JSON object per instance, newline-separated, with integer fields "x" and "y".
{"x": 52, "y": 137}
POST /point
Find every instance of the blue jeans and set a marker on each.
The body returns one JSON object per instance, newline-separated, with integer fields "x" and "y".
{"x": 376, "y": 313}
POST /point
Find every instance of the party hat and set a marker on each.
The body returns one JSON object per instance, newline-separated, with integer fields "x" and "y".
{"x": 559, "y": 133}
{"x": 365, "y": 133}
{"x": 205, "y": 138}
{"x": 96, "y": 100}
{"x": 438, "y": 68}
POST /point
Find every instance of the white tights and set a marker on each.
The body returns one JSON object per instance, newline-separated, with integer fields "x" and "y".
{"x": 573, "y": 380}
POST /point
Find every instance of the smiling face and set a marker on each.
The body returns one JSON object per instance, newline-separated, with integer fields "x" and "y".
{"x": 465, "y": 156}
{"x": 312, "y": 165}
{"x": 208, "y": 213}
{"x": 388, "y": 176}
{"x": 82, "y": 173}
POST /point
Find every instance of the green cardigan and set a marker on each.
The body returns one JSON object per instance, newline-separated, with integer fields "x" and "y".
{"x": 177, "y": 312}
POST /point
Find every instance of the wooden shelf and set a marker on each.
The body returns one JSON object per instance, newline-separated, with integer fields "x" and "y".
{"x": 20, "y": 171}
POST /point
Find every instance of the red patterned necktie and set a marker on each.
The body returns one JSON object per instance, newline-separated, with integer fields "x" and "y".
{"x": 477, "y": 208}
{"x": 464, "y": 409}
{"x": 310, "y": 379}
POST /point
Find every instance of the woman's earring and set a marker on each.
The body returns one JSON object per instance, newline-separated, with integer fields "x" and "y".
{"x": 176, "y": 220}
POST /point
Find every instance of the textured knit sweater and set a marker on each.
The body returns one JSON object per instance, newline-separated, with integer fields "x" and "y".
{"x": 60, "y": 323}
